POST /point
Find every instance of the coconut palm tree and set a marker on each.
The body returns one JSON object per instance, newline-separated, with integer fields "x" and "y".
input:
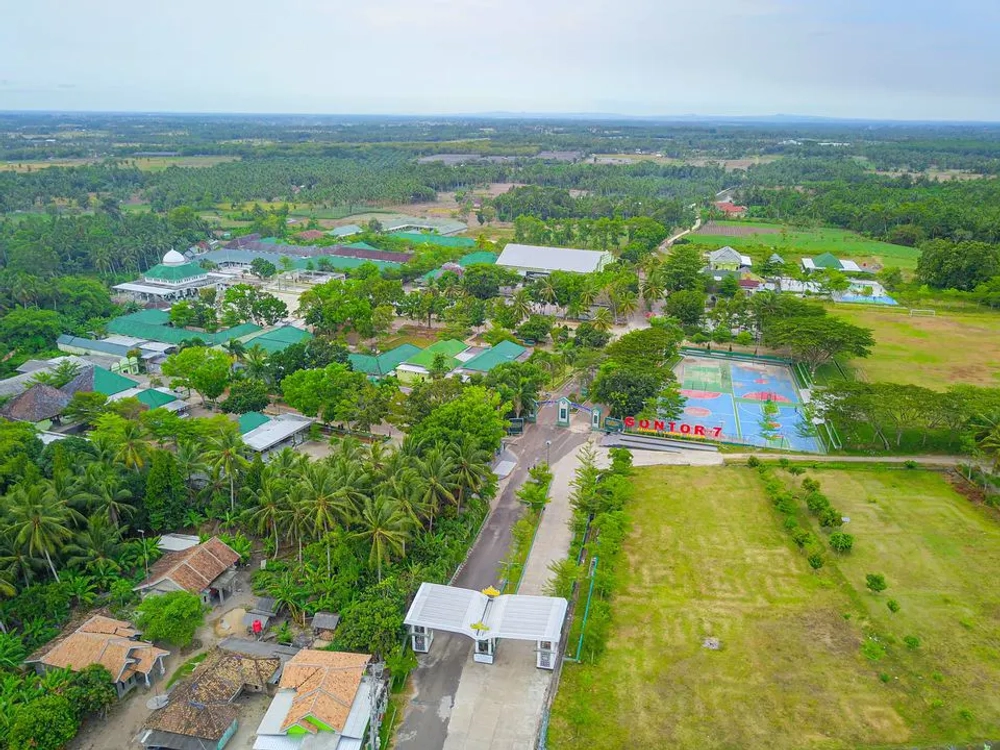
{"x": 627, "y": 303}
{"x": 319, "y": 493}
{"x": 39, "y": 523}
{"x": 603, "y": 320}
{"x": 521, "y": 304}
{"x": 104, "y": 494}
{"x": 191, "y": 462}
{"x": 546, "y": 291}
{"x": 255, "y": 362}
{"x": 97, "y": 549}
{"x": 226, "y": 455}
{"x": 435, "y": 484}
{"x": 651, "y": 290}
{"x": 385, "y": 525}
{"x": 133, "y": 448}
{"x": 271, "y": 507}
{"x": 471, "y": 468}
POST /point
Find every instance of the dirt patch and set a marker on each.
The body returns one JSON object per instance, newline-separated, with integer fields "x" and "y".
{"x": 732, "y": 230}
{"x": 230, "y": 623}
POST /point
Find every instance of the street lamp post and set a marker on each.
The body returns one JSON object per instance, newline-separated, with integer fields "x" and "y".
{"x": 548, "y": 445}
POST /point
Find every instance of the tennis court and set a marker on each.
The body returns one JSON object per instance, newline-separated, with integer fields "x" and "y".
{"x": 730, "y": 394}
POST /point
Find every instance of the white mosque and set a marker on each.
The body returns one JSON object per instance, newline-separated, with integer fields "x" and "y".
{"x": 174, "y": 278}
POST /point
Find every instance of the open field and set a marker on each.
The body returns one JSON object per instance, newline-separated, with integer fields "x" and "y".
{"x": 930, "y": 351}
{"x": 707, "y": 557}
{"x": 145, "y": 163}
{"x": 792, "y": 243}
{"x": 728, "y": 164}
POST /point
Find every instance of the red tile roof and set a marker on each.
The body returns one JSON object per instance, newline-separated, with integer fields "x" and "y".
{"x": 193, "y": 569}
{"x": 311, "y": 234}
{"x": 730, "y": 208}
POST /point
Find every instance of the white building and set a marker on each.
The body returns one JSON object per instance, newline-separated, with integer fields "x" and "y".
{"x": 172, "y": 279}
{"x": 536, "y": 260}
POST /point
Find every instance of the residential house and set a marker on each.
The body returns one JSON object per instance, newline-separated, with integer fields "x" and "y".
{"x": 418, "y": 367}
{"x": 114, "y": 644}
{"x": 731, "y": 210}
{"x": 41, "y": 405}
{"x": 828, "y": 261}
{"x": 384, "y": 364}
{"x": 485, "y": 360}
{"x": 728, "y": 259}
{"x": 325, "y": 701}
{"x": 201, "y": 712}
{"x": 267, "y": 435}
{"x": 207, "y": 569}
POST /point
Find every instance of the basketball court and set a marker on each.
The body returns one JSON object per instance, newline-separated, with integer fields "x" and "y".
{"x": 730, "y": 394}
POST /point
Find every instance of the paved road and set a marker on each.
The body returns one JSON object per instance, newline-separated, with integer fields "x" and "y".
{"x": 435, "y": 681}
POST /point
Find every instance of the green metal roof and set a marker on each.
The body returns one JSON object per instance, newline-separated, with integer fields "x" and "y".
{"x": 449, "y": 348}
{"x": 109, "y": 383}
{"x": 827, "y": 260}
{"x": 143, "y": 325}
{"x": 174, "y": 273}
{"x": 251, "y": 421}
{"x": 419, "y": 238}
{"x": 385, "y": 362}
{"x": 154, "y": 398}
{"x": 361, "y": 246}
{"x": 278, "y": 339}
{"x": 505, "y": 351}
{"x": 483, "y": 256}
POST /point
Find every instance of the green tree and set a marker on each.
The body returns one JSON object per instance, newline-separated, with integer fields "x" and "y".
{"x": 682, "y": 269}
{"x": 172, "y": 618}
{"x": 166, "y": 495}
{"x": 44, "y": 723}
{"x": 226, "y": 455}
{"x": 262, "y": 268}
{"x": 624, "y": 391}
{"x": 200, "y": 369}
{"x": 91, "y": 691}
{"x": 687, "y": 305}
{"x": 815, "y": 341}
{"x": 85, "y": 407}
{"x": 875, "y": 582}
{"x": 246, "y": 395}
{"x": 476, "y": 413}
{"x": 38, "y": 522}
{"x": 384, "y": 524}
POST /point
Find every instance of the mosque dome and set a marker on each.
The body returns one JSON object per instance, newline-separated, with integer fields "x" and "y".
{"x": 174, "y": 258}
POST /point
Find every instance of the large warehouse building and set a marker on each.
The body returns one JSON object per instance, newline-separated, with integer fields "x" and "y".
{"x": 535, "y": 260}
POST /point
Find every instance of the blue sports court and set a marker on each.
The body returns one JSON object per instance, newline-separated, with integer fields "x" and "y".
{"x": 730, "y": 395}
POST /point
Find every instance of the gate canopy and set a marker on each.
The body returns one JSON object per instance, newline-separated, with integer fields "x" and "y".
{"x": 455, "y": 610}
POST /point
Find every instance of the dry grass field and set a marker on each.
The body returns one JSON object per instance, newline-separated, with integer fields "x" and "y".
{"x": 707, "y": 557}
{"x": 929, "y": 351}
{"x": 145, "y": 163}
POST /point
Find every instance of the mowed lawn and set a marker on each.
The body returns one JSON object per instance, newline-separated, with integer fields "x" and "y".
{"x": 935, "y": 352}
{"x": 793, "y": 243}
{"x": 707, "y": 557}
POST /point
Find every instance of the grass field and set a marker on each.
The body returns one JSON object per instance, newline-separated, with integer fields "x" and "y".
{"x": 145, "y": 163}
{"x": 707, "y": 557}
{"x": 795, "y": 243}
{"x": 930, "y": 351}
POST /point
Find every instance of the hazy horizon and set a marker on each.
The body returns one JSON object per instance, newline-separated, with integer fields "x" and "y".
{"x": 915, "y": 60}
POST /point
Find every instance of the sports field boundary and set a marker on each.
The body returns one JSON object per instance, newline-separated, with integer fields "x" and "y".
{"x": 693, "y": 351}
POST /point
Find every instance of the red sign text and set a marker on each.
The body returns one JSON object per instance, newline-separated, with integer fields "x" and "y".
{"x": 679, "y": 428}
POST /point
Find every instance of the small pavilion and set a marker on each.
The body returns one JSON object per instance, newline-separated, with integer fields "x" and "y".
{"x": 487, "y": 617}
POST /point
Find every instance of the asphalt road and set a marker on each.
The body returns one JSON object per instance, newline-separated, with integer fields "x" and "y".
{"x": 435, "y": 681}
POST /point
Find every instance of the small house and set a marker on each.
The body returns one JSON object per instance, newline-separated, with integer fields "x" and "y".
{"x": 728, "y": 259}
{"x": 114, "y": 644}
{"x": 324, "y": 623}
{"x": 207, "y": 569}
{"x": 829, "y": 262}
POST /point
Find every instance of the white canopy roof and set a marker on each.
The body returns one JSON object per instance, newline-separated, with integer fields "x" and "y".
{"x": 548, "y": 259}
{"x": 529, "y": 618}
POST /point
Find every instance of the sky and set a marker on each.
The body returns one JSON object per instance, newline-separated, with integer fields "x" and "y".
{"x": 877, "y": 59}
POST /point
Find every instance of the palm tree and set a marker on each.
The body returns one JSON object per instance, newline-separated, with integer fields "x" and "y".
{"x": 603, "y": 319}
{"x": 521, "y": 304}
{"x": 226, "y": 456}
{"x": 434, "y": 482}
{"x": 471, "y": 467}
{"x": 628, "y": 303}
{"x": 105, "y": 494}
{"x": 271, "y": 509}
{"x": 39, "y": 523}
{"x": 386, "y": 526}
{"x": 287, "y": 593}
{"x": 546, "y": 291}
{"x": 133, "y": 450}
{"x": 255, "y": 361}
{"x": 651, "y": 289}
{"x": 318, "y": 493}
{"x": 190, "y": 457}
{"x": 97, "y": 549}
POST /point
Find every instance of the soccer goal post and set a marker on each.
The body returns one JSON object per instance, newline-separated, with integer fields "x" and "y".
{"x": 927, "y": 313}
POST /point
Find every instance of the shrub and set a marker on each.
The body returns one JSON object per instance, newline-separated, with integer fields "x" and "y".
{"x": 796, "y": 471}
{"x": 911, "y": 464}
{"x": 893, "y": 605}
{"x": 841, "y": 542}
{"x": 875, "y": 582}
{"x": 815, "y": 561}
{"x": 801, "y": 537}
{"x": 830, "y": 517}
{"x": 791, "y": 524}
{"x": 810, "y": 485}
{"x": 172, "y": 617}
{"x": 753, "y": 462}
{"x": 816, "y": 502}
{"x": 872, "y": 650}
{"x": 884, "y": 677}
{"x": 45, "y": 723}
{"x": 786, "y": 504}
{"x": 912, "y": 642}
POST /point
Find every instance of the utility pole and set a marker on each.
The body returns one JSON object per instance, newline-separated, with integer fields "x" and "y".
{"x": 145, "y": 557}
{"x": 376, "y": 692}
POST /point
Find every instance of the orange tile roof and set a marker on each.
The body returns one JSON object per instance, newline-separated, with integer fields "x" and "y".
{"x": 105, "y": 641}
{"x": 325, "y": 683}
{"x": 193, "y": 569}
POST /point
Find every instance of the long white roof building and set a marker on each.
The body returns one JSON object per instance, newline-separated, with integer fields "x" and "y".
{"x": 536, "y": 259}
